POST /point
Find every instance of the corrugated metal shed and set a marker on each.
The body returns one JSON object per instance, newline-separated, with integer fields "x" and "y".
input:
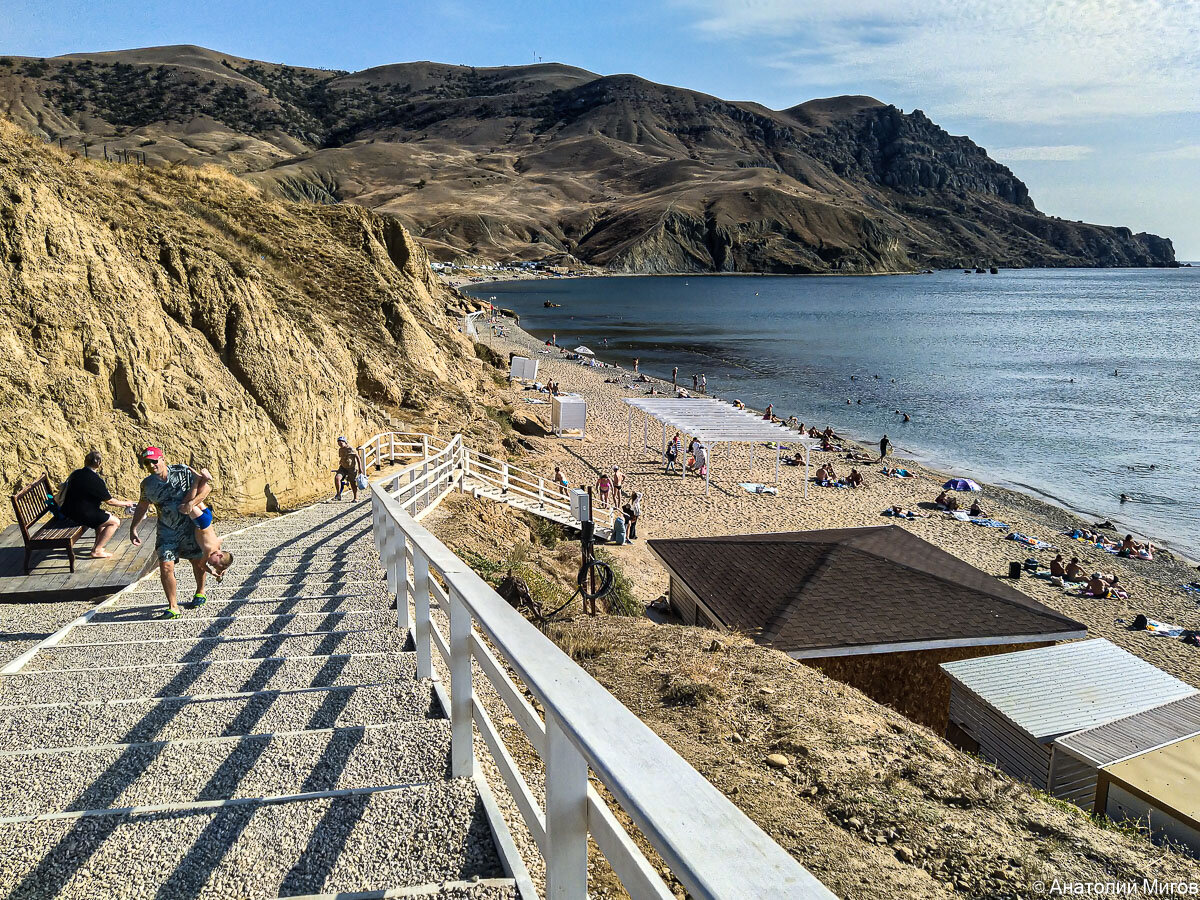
{"x": 1053, "y": 691}
{"x": 1132, "y": 735}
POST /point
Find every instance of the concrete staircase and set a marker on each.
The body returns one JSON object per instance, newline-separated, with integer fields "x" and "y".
{"x": 271, "y": 743}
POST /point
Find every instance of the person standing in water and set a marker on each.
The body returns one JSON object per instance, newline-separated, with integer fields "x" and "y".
{"x": 675, "y": 377}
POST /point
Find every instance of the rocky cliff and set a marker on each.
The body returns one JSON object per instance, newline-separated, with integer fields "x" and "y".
{"x": 181, "y": 307}
{"x": 554, "y": 162}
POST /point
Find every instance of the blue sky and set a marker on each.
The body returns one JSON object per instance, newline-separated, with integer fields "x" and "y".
{"x": 1095, "y": 104}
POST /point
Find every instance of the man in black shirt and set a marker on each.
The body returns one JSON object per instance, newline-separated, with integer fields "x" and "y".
{"x": 86, "y": 491}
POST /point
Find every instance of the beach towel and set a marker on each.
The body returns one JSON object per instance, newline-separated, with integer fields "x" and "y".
{"x": 899, "y": 473}
{"x": 957, "y": 514}
{"x": 987, "y": 523}
{"x": 1028, "y": 541}
{"x": 536, "y": 400}
{"x": 753, "y": 487}
{"x": 904, "y": 515}
{"x": 1162, "y": 629}
{"x": 1192, "y": 586}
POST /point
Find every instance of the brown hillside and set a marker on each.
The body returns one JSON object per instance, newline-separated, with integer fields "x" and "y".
{"x": 544, "y": 161}
{"x": 183, "y": 308}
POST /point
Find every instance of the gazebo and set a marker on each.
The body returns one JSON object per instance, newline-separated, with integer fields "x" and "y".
{"x": 714, "y": 422}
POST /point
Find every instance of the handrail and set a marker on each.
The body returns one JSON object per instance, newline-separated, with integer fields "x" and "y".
{"x": 709, "y": 844}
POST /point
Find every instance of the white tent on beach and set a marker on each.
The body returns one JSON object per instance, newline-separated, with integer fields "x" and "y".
{"x": 583, "y": 351}
{"x": 715, "y": 422}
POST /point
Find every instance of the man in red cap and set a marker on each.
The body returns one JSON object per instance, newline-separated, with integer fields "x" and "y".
{"x": 166, "y": 486}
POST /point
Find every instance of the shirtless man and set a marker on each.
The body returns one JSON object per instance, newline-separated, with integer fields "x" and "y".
{"x": 1057, "y": 567}
{"x": 1074, "y": 571}
{"x": 216, "y": 560}
{"x": 347, "y": 470}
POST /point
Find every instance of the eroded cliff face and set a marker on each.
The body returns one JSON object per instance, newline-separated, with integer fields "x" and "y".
{"x": 183, "y": 308}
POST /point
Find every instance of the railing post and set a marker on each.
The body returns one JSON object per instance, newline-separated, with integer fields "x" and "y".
{"x": 566, "y": 815}
{"x": 422, "y": 638}
{"x": 541, "y": 491}
{"x": 392, "y": 447}
{"x": 504, "y": 477}
{"x": 399, "y": 567}
{"x": 462, "y": 752}
{"x": 466, "y": 462}
{"x": 386, "y": 556}
{"x": 424, "y": 446}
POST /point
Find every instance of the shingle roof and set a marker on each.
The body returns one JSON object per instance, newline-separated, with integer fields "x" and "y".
{"x": 853, "y": 587}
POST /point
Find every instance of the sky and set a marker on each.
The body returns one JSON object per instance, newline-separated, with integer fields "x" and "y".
{"x": 1095, "y": 104}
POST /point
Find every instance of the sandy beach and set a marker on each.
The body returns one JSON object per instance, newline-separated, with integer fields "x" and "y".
{"x": 678, "y": 507}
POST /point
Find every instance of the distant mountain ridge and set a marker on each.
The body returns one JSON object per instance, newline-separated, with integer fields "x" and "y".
{"x": 554, "y": 162}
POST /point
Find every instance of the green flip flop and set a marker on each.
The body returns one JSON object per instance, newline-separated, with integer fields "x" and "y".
{"x": 199, "y": 599}
{"x": 169, "y": 613}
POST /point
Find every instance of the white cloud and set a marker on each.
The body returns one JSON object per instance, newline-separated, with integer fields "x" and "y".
{"x": 1043, "y": 153}
{"x": 1186, "y": 151}
{"x": 1020, "y": 60}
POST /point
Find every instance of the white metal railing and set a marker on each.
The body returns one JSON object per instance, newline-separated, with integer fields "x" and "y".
{"x": 709, "y": 844}
{"x": 515, "y": 481}
{"x": 468, "y": 324}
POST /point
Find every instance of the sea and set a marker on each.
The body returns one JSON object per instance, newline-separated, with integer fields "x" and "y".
{"x": 1075, "y": 385}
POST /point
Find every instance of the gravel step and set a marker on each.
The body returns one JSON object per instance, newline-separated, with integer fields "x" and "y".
{"x": 199, "y": 679}
{"x": 418, "y": 835}
{"x": 200, "y": 624}
{"x": 192, "y": 650}
{"x": 150, "y": 591}
{"x": 307, "y": 603}
{"x": 260, "y": 765}
{"x": 483, "y": 889}
{"x": 179, "y": 718}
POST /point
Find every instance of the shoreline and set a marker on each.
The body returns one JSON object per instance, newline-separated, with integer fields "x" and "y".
{"x": 677, "y": 507}
{"x": 924, "y": 458}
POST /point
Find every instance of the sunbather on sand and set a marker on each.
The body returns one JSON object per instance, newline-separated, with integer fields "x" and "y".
{"x": 215, "y": 559}
{"x": 1074, "y": 571}
{"x": 854, "y": 479}
{"x": 978, "y": 511}
{"x": 946, "y": 500}
{"x": 1057, "y": 567}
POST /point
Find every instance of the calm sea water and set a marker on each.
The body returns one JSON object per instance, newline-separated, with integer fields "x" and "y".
{"x": 1007, "y": 377}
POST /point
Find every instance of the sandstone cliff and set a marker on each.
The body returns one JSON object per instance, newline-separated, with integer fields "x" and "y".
{"x": 183, "y": 308}
{"x": 554, "y": 162}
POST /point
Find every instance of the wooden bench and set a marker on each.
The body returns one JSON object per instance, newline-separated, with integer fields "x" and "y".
{"x": 30, "y": 505}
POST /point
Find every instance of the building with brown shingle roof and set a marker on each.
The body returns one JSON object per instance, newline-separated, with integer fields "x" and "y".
{"x": 879, "y": 608}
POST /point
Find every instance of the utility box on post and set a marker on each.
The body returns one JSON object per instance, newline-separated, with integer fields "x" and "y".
{"x": 581, "y": 505}
{"x": 568, "y": 415}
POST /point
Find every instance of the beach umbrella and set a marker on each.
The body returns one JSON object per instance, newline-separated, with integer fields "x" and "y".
{"x": 961, "y": 484}
{"x": 584, "y": 351}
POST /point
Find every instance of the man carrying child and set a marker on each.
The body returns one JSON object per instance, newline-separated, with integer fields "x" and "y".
{"x": 168, "y": 487}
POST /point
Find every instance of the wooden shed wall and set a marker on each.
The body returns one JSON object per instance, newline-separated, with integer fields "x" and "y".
{"x": 1000, "y": 740}
{"x": 1072, "y": 779}
{"x": 911, "y": 683}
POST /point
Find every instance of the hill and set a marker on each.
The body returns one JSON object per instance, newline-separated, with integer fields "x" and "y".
{"x": 182, "y": 307}
{"x": 550, "y": 161}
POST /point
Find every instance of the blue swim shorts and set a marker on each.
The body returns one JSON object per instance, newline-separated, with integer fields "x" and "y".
{"x": 203, "y": 520}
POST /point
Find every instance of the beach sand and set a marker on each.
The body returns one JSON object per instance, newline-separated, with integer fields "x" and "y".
{"x": 678, "y": 507}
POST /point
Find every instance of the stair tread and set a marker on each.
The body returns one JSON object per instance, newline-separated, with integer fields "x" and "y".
{"x": 199, "y": 679}
{"x": 178, "y": 718}
{"x": 255, "y": 850}
{"x": 168, "y": 772}
{"x": 196, "y": 650}
{"x": 202, "y": 624}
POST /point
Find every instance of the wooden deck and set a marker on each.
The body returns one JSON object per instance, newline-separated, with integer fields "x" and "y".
{"x": 50, "y": 576}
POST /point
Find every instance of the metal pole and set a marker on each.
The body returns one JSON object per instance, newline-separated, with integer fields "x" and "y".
{"x": 629, "y": 430}
{"x": 806, "y": 452}
{"x": 778, "y": 450}
{"x": 399, "y": 566}
{"x": 421, "y": 635}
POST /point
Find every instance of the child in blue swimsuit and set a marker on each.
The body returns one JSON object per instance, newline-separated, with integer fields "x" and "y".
{"x": 216, "y": 560}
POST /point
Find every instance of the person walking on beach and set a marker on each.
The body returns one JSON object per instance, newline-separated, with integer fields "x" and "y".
{"x": 618, "y": 481}
{"x": 704, "y": 384}
{"x": 672, "y": 454}
{"x": 166, "y": 486}
{"x": 632, "y": 511}
{"x": 604, "y": 488}
{"x": 675, "y": 377}
{"x": 635, "y": 365}
{"x": 347, "y": 471}
{"x": 884, "y": 444}
{"x": 560, "y": 481}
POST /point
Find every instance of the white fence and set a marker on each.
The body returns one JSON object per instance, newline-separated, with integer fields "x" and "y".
{"x": 710, "y": 846}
